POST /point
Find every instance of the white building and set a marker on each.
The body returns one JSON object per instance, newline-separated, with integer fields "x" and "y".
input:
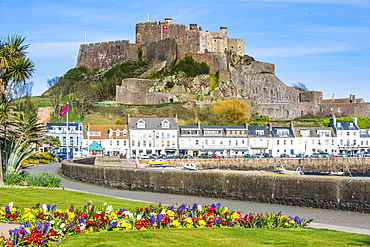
{"x": 348, "y": 135}
{"x": 153, "y": 135}
{"x": 109, "y": 140}
{"x": 69, "y": 135}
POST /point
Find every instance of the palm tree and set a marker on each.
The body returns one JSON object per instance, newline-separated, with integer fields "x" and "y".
{"x": 15, "y": 68}
{"x": 27, "y": 127}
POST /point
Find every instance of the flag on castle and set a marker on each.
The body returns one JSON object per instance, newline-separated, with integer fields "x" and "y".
{"x": 64, "y": 111}
{"x": 164, "y": 27}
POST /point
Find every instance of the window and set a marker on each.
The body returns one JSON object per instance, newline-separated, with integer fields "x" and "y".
{"x": 124, "y": 142}
{"x": 64, "y": 140}
{"x": 165, "y": 124}
{"x": 284, "y": 142}
{"x": 144, "y": 143}
{"x": 277, "y": 142}
{"x": 117, "y": 143}
{"x": 259, "y": 132}
{"x": 291, "y": 142}
{"x": 140, "y": 124}
{"x": 348, "y": 133}
{"x": 110, "y": 143}
{"x": 133, "y": 143}
{"x": 196, "y": 142}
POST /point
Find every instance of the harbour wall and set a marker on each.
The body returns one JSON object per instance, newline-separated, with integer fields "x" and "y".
{"x": 339, "y": 193}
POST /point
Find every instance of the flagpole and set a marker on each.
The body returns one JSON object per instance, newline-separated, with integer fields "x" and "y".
{"x": 67, "y": 136}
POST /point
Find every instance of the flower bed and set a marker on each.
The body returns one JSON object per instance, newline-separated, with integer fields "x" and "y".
{"x": 45, "y": 224}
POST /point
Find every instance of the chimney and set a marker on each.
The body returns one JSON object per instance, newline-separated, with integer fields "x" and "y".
{"x": 193, "y": 27}
{"x": 354, "y": 120}
{"x": 269, "y": 125}
{"x": 333, "y": 97}
{"x": 246, "y": 125}
{"x": 168, "y": 20}
{"x": 200, "y": 28}
{"x": 333, "y": 122}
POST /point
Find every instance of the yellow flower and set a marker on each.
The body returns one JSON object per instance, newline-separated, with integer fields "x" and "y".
{"x": 201, "y": 223}
{"x": 188, "y": 220}
{"x": 113, "y": 216}
{"x": 126, "y": 225}
{"x": 171, "y": 214}
{"x": 226, "y": 209}
{"x": 176, "y": 223}
{"x": 71, "y": 215}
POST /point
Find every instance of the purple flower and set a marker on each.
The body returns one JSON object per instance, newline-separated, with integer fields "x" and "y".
{"x": 7, "y": 209}
{"x": 171, "y": 207}
{"x": 46, "y": 226}
{"x": 152, "y": 219}
{"x": 195, "y": 206}
{"x": 53, "y": 208}
{"x": 122, "y": 210}
{"x": 114, "y": 223}
{"x": 13, "y": 232}
{"x": 218, "y": 205}
{"x": 159, "y": 218}
{"x": 297, "y": 220}
{"x": 182, "y": 207}
{"x": 81, "y": 220}
{"x": 39, "y": 226}
{"x": 48, "y": 207}
{"x": 27, "y": 224}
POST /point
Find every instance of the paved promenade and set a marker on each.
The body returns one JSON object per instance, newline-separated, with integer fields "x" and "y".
{"x": 328, "y": 219}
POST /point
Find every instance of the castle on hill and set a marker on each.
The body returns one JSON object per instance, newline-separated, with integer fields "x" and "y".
{"x": 240, "y": 76}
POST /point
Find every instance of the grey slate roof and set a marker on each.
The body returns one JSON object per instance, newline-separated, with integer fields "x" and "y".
{"x": 152, "y": 123}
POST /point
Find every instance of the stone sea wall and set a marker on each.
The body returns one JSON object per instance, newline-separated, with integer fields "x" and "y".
{"x": 340, "y": 193}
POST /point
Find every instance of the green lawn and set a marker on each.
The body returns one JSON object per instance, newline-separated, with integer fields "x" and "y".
{"x": 218, "y": 237}
{"x": 174, "y": 237}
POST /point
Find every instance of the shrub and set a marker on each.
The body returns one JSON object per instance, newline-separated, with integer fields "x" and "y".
{"x": 14, "y": 178}
{"x": 43, "y": 179}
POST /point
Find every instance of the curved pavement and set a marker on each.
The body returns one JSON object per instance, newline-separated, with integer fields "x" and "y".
{"x": 323, "y": 218}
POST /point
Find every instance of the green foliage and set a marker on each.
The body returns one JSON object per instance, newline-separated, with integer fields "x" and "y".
{"x": 259, "y": 118}
{"x": 119, "y": 121}
{"x": 43, "y": 179}
{"x": 169, "y": 85}
{"x": 17, "y": 153}
{"x": 14, "y": 178}
{"x": 214, "y": 80}
{"x": 188, "y": 65}
{"x": 265, "y": 72}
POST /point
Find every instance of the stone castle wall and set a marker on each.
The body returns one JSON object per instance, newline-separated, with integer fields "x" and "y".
{"x": 345, "y": 109}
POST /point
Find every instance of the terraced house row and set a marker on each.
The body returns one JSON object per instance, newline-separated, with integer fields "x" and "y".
{"x": 143, "y": 136}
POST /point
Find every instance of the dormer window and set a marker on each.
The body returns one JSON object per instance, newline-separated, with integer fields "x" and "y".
{"x": 259, "y": 132}
{"x": 165, "y": 124}
{"x": 140, "y": 124}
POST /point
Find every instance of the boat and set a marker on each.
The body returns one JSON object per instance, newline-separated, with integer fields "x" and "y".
{"x": 336, "y": 173}
{"x": 282, "y": 170}
{"x": 157, "y": 162}
{"x": 189, "y": 166}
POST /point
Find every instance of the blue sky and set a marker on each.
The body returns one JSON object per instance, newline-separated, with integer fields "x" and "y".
{"x": 324, "y": 44}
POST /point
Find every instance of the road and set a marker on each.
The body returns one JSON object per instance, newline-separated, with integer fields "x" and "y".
{"x": 323, "y": 218}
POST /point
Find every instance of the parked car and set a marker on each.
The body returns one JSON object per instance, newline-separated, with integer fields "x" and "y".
{"x": 215, "y": 156}
{"x": 284, "y": 156}
{"x": 300, "y": 156}
{"x": 267, "y": 155}
{"x": 170, "y": 156}
{"x": 359, "y": 155}
{"x": 315, "y": 155}
{"x": 154, "y": 156}
{"x": 342, "y": 155}
{"x": 324, "y": 155}
{"x": 248, "y": 156}
{"x": 144, "y": 156}
{"x": 258, "y": 156}
{"x": 205, "y": 156}
{"x": 366, "y": 154}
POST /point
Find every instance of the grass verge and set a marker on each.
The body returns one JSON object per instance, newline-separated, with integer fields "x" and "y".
{"x": 25, "y": 197}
